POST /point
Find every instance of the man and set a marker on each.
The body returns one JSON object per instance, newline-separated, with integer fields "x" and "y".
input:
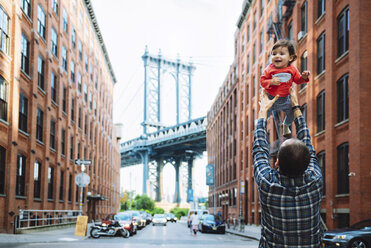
{"x": 290, "y": 195}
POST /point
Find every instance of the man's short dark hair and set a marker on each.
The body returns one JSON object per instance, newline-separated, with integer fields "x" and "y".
{"x": 293, "y": 158}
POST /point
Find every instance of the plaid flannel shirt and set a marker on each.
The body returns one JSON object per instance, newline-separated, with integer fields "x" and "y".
{"x": 290, "y": 207}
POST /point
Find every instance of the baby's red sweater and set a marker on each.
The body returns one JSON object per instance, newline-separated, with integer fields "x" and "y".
{"x": 286, "y": 75}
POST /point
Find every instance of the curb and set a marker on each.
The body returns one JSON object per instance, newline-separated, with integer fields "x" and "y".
{"x": 242, "y": 234}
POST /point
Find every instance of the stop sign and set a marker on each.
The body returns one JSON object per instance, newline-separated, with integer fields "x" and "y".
{"x": 82, "y": 179}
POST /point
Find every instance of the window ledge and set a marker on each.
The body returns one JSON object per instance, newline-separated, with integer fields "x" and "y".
{"x": 37, "y": 199}
{"x": 50, "y": 200}
{"x": 303, "y": 37}
{"x": 24, "y": 133}
{"x": 303, "y": 89}
{"x": 52, "y": 149}
{"x": 342, "y": 195}
{"x": 320, "y": 75}
{"x": 341, "y": 57}
{"x": 319, "y": 133}
{"x": 341, "y": 123}
{"x": 319, "y": 19}
{"x": 6, "y": 55}
{"x": 20, "y": 197}
{"x": 2, "y": 195}
{"x": 40, "y": 142}
{"x": 25, "y": 74}
{"x": 42, "y": 91}
{"x": 4, "y": 122}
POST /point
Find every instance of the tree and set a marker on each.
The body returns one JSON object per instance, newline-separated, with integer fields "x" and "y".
{"x": 143, "y": 202}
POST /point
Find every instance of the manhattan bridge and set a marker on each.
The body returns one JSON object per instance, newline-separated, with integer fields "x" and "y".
{"x": 179, "y": 144}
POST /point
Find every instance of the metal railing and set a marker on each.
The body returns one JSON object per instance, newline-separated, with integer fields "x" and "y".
{"x": 41, "y": 218}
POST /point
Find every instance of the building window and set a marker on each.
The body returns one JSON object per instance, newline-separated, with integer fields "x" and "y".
{"x": 77, "y": 194}
{"x": 55, "y": 6}
{"x": 71, "y": 148}
{"x": 4, "y": 31}
{"x": 61, "y": 185}
{"x": 37, "y": 179}
{"x": 255, "y": 19}
{"x": 40, "y": 73}
{"x": 261, "y": 40}
{"x": 342, "y": 98}
{"x": 39, "y": 125}
{"x": 254, "y": 54}
{"x": 303, "y": 20}
{"x": 79, "y": 81}
{"x": 53, "y": 85}
{"x": 95, "y": 107}
{"x": 64, "y": 58}
{"x": 41, "y": 21}
{"x": 290, "y": 35}
{"x": 63, "y": 142}
{"x": 303, "y": 66}
{"x": 322, "y": 164}
{"x": 73, "y": 109}
{"x": 79, "y": 117}
{"x": 86, "y": 62}
{"x": 65, "y": 20}
{"x": 343, "y": 168}
{"x": 52, "y": 134}
{"x": 321, "y": 7}
{"x": 50, "y": 182}
{"x": 321, "y": 53}
{"x": 25, "y": 55}
{"x": 64, "y": 99}
{"x": 243, "y": 44}
{"x": 86, "y": 125}
{"x": 23, "y": 113}
{"x": 73, "y": 37}
{"x": 86, "y": 92}
{"x": 26, "y": 7}
{"x": 261, "y": 8}
{"x": 70, "y": 189}
{"x": 343, "y": 32}
{"x": 2, "y": 169}
{"x": 80, "y": 50}
{"x": 54, "y": 43}
{"x": 343, "y": 220}
{"x": 21, "y": 175}
{"x": 90, "y": 101}
{"x": 321, "y": 111}
{"x": 72, "y": 71}
{"x": 3, "y": 99}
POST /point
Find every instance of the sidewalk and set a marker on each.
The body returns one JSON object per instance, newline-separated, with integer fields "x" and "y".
{"x": 249, "y": 231}
{"x": 58, "y": 235}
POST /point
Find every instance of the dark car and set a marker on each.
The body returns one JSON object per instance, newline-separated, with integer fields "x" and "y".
{"x": 125, "y": 220}
{"x": 171, "y": 217}
{"x": 357, "y": 236}
{"x": 211, "y": 223}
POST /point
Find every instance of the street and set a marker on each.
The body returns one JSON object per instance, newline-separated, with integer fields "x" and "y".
{"x": 172, "y": 235}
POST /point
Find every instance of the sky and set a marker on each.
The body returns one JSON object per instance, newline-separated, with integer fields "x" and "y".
{"x": 201, "y": 31}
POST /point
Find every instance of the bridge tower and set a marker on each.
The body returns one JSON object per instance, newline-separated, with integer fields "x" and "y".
{"x": 156, "y": 68}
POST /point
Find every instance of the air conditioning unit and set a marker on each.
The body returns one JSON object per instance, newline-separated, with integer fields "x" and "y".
{"x": 301, "y": 34}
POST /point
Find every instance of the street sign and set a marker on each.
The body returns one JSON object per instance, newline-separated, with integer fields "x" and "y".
{"x": 81, "y": 161}
{"x": 82, "y": 179}
{"x": 210, "y": 175}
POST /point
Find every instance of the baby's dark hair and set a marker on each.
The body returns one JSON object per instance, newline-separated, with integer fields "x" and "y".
{"x": 290, "y": 46}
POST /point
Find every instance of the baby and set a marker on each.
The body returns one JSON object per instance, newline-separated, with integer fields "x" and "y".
{"x": 277, "y": 79}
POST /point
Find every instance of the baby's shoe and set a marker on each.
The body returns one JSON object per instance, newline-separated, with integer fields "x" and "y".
{"x": 286, "y": 132}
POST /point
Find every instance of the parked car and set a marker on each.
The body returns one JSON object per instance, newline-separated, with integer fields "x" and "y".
{"x": 200, "y": 212}
{"x": 211, "y": 223}
{"x": 125, "y": 220}
{"x": 171, "y": 217}
{"x": 159, "y": 219}
{"x": 141, "y": 222}
{"x": 357, "y": 236}
{"x": 147, "y": 216}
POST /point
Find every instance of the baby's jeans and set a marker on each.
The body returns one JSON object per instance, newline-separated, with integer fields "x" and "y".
{"x": 282, "y": 104}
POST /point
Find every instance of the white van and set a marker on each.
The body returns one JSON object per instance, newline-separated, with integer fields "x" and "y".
{"x": 200, "y": 212}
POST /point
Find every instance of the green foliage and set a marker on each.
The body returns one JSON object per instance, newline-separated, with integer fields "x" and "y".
{"x": 143, "y": 202}
{"x": 157, "y": 210}
{"x": 124, "y": 206}
{"x": 179, "y": 212}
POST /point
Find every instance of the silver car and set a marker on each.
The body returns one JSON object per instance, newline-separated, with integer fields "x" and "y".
{"x": 159, "y": 219}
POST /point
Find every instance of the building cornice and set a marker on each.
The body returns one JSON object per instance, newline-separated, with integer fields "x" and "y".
{"x": 245, "y": 8}
{"x": 94, "y": 21}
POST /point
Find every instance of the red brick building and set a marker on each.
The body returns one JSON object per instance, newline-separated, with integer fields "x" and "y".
{"x": 56, "y": 97}
{"x": 332, "y": 42}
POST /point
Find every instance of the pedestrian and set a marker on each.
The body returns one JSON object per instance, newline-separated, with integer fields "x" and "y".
{"x": 290, "y": 196}
{"x": 195, "y": 220}
{"x": 278, "y": 77}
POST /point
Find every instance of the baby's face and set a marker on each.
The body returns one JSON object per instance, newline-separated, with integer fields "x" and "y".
{"x": 281, "y": 57}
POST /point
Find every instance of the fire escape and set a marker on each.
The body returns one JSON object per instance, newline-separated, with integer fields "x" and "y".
{"x": 275, "y": 28}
